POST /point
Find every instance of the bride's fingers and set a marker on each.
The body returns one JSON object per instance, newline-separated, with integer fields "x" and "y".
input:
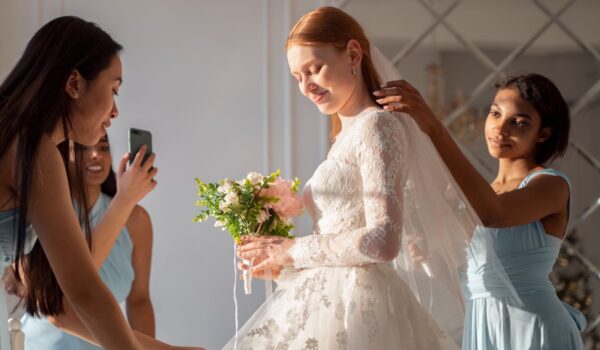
{"x": 252, "y": 245}
{"x": 246, "y": 255}
{"x": 257, "y": 244}
{"x": 261, "y": 266}
{"x": 249, "y": 238}
{"x": 246, "y": 240}
{"x": 256, "y": 255}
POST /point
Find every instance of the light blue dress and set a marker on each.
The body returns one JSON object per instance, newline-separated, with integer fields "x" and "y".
{"x": 116, "y": 272}
{"x": 493, "y": 320}
{"x": 8, "y": 224}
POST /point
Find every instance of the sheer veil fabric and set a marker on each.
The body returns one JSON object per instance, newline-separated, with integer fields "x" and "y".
{"x": 381, "y": 190}
{"x": 438, "y": 219}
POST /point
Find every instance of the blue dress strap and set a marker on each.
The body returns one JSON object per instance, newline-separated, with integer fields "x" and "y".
{"x": 553, "y": 172}
{"x": 547, "y": 171}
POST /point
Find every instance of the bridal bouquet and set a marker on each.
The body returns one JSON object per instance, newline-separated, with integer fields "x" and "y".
{"x": 255, "y": 205}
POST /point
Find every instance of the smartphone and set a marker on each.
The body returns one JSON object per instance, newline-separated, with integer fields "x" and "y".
{"x": 137, "y": 138}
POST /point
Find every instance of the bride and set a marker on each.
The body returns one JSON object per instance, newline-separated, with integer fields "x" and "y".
{"x": 381, "y": 195}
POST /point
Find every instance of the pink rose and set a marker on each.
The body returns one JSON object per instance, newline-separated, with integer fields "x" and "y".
{"x": 289, "y": 203}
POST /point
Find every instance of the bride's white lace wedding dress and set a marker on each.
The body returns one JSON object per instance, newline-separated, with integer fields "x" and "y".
{"x": 343, "y": 292}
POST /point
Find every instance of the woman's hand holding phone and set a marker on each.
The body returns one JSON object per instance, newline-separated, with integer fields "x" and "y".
{"x": 136, "y": 180}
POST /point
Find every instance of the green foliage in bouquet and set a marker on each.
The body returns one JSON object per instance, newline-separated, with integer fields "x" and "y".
{"x": 258, "y": 204}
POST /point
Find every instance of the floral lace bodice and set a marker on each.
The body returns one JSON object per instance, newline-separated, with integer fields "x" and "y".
{"x": 355, "y": 196}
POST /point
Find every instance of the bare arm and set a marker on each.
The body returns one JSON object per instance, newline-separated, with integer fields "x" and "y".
{"x": 53, "y": 218}
{"x": 70, "y": 323}
{"x": 133, "y": 183}
{"x": 543, "y": 196}
{"x": 140, "y": 313}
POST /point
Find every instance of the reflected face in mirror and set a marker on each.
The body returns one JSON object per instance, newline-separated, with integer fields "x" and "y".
{"x": 512, "y": 127}
{"x": 324, "y": 75}
{"x": 95, "y": 104}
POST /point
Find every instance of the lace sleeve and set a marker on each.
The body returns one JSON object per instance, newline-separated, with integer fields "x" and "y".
{"x": 381, "y": 155}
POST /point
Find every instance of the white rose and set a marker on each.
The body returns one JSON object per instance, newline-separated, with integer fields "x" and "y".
{"x": 220, "y": 224}
{"x": 224, "y": 207}
{"x": 226, "y": 186}
{"x": 231, "y": 198}
{"x": 254, "y": 178}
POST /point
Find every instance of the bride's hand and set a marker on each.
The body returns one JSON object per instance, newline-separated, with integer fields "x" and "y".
{"x": 400, "y": 96}
{"x": 267, "y": 252}
{"x": 271, "y": 273}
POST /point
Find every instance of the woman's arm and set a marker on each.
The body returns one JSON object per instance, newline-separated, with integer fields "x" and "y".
{"x": 70, "y": 323}
{"x": 543, "y": 196}
{"x": 53, "y": 218}
{"x": 140, "y": 313}
{"x": 381, "y": 157}
{"x": 133, "y": 184}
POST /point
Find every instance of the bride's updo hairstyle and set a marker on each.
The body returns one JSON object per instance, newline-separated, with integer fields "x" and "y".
{"x": 332, "y": 26}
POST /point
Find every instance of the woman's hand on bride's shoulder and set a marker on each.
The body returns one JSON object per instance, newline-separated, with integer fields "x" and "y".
{"x": 270, "y": 254}
{"x": 401, "y": 96}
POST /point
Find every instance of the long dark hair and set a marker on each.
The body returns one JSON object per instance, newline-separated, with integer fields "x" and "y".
{"x": 33, "y": 102}
{"x": 547, "y": 100}
{"x": 109, "y": 186}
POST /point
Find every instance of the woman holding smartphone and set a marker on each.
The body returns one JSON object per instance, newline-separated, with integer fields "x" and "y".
{"x": 125, "y": 268}
{"x": 63, "y": 87}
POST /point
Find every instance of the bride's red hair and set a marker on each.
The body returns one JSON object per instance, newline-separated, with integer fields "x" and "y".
{"x": 332, "y": 26}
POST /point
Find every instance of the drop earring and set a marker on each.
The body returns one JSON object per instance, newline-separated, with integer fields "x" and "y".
{"x": 353, "y": 71}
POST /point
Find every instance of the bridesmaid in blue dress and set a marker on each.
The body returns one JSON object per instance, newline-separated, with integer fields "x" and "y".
{"x": 61, "y": 88}
{"x": 126, "y": 269}
{"x": 525, "y": 210}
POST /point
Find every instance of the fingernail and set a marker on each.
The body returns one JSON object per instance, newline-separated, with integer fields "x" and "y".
{"x": 377, "y": 93}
